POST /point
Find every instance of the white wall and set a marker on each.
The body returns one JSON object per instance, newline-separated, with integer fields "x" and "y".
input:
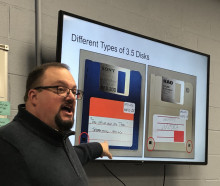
{"x": 194, "y": 24}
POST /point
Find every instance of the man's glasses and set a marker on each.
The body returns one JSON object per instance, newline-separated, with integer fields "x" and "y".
{"x": 62, "y": 91}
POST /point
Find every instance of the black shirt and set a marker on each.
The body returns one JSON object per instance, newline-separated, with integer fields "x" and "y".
{"x": 32, "y": 153}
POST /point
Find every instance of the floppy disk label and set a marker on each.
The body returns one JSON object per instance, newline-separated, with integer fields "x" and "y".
{"x": 109, "y": 122}
{"x": 169, "y": 128}
{"x": 129, "y": 108}
{"x": 184, "y": 114}
{"x": 114, "y": 79}
{"x": 172, "y": 90}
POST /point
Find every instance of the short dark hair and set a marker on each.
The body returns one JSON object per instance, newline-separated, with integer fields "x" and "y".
{"x": 34, "y": 77}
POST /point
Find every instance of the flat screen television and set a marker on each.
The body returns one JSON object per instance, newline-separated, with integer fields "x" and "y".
{"x": 147, "y": 98}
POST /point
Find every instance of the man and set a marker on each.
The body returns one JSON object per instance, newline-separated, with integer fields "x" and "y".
{"x": 34, "y": 147}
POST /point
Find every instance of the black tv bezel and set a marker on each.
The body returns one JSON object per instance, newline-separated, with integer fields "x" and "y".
{"x": 61, "y": 14}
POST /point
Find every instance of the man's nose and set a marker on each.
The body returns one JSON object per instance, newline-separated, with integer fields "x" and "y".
{"x": 71, "y": 95}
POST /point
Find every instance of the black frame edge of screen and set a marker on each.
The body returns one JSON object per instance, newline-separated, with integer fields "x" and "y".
{"x": 61, "y": 13}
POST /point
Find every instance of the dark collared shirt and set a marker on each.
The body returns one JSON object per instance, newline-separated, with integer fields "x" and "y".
{"x": 32, "y": 153}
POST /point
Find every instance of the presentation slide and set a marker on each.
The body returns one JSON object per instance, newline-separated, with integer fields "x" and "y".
{"x": 147, "y": 98}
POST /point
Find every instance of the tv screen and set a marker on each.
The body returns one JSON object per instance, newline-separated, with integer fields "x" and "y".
{"x": 147, "y": 98}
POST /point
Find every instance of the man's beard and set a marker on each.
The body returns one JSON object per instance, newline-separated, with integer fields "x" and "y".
{"x": 63, "y": 125}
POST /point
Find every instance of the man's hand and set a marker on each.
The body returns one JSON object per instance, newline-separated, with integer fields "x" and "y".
{"x": 105, "y": 148}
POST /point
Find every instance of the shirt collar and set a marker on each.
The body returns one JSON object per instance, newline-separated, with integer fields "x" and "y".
{"x": 40, "y": 128}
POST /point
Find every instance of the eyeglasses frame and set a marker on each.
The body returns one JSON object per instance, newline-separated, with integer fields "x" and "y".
{"x": 78, "y": 92}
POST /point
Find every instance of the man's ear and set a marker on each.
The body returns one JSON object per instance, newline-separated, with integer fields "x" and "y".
{"x": 33, "y": 96}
